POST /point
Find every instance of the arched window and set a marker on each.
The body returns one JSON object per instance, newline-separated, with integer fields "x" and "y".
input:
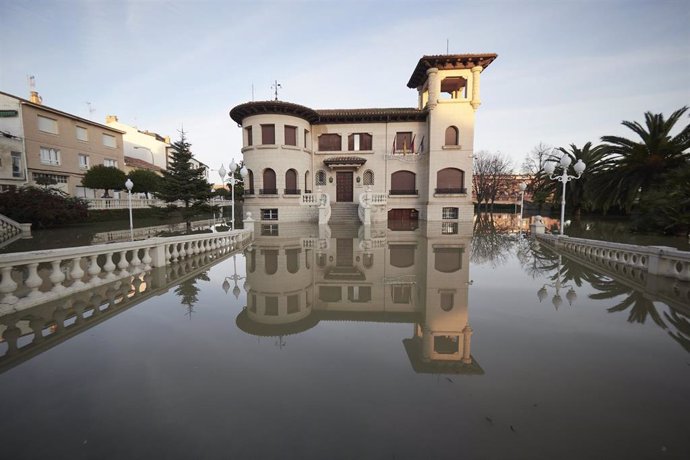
{"x": 448, "y": 260}
{"x": 307, "y": 186}
{"x": 368, "y": 177}
{"x": 450, "y": 180}
{"x": 291, "y": 182}
{"x": 292, "y": 260}
{"x": 403, "y": 183}
{"x": 250, "y": 182}
{"x": 320, "y": 177}
{"x": 452, "y": 136}
{"x": 269, "y": 182}
{"x": 402, "y": 256}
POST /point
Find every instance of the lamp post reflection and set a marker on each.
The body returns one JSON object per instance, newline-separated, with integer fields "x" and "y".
{"x": 557, "y": 300}
{"x": 235, "y": 278}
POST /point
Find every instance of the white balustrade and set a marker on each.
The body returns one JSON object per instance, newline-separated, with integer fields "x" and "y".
{"x": 656, "y": 260}
{"x": 38, "y": 276}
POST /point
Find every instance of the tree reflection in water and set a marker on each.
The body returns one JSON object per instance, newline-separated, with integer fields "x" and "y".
{"x": 491, "y": 242}
{"x": 188, "y": 291}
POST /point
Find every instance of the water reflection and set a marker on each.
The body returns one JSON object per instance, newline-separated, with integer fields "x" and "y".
{"x": 665, "y": 301}
{"x": 298, "y": 276}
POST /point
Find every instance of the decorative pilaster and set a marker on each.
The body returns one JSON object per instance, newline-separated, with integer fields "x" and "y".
{"x": 434, "y": 86}
{"x": 476, "y": 101}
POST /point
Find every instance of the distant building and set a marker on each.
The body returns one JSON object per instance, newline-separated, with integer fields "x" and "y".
{"x": 50, "y": 143}
{"x": 151, "y": 149}
{"x": 418, "y": 158}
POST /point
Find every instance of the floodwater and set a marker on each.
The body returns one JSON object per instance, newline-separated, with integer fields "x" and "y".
{"x": 343, "y": 342}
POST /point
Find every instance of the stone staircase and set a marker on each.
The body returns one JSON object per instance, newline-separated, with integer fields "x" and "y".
{"x": 342, "y": 213}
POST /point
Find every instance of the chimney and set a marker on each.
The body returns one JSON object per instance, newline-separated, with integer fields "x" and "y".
{"x": 111, "y": 118}
{"x": 167, "y": 139}
{"x": 35, "y": 98}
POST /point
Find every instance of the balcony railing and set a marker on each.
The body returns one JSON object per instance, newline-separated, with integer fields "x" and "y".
{"x": 452, "y": 190}
{"x": 249, "y": 191}
{"x": 268, "y": 191}
{"x": 403, "y": 192}
{"x": 291, "y": 191}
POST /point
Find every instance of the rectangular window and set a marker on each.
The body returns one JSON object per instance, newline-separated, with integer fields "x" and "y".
{"x": 306, "y": 138}
{"x": 50, "y": 156}
{"x": 269, "y": 229}
{"x": 82, "y": 133}
{"x": 109, "y": 162}
{"x": 450, "y": 213}
{"x": 17, "y": 164}
{"x": 290, "y": 135}
{"x": 47, "y": 125}
{"x": 268, "y": 134}
{"x": 83, "y": 161}
{"x": 269, "y": 214}
{"x": 248, "y": 130}
{"x": 403, "y": 142}
{"x": 54, "y": 177}
{"x": 330, "y": 143}
{"x": 271, "y": 306}
{"x": 109, "y": 141}
{"x": 449, "y": 228}
{"x": 292, "y": 304}
{"x": 402, "y": 293}
{"x": 359, "y": 141}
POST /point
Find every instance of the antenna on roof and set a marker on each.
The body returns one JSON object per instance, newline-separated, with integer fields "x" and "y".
{"x": 447, "y": 45}
{"x": 32, "y": 82}
{"x": 90, "y": 108}
{"x": 275, "y": 87}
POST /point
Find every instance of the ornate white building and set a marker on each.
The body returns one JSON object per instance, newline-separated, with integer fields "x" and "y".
{"x": 377, "y": 164}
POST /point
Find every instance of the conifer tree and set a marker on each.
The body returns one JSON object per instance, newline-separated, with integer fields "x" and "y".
{"x": 182, "y": 181}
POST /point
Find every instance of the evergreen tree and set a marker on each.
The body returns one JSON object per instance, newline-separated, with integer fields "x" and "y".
{"x": 182, "y": 181}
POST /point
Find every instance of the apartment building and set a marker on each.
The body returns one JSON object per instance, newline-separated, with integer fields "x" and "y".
{"x": 419, "y": 158}
{"x": 143, "y": 149}
{"x": 12, "y": 157}
{"x": 62, "y": 146}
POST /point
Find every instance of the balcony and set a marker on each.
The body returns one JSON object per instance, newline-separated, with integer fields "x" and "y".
{"x": 459, "y": 190}
{"x": 249, "y": 191}
{"x": 268, "y": 191}
{"x": 403, "y": 192}
{"x": 291, "y": 191}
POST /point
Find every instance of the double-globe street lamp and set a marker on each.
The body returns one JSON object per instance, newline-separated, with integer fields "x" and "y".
{"x": 550, "y": 168}
{"x": 232, "y": 180}
{"x": 129, "y": 184}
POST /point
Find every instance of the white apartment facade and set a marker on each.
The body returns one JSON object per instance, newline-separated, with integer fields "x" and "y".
{"x": 418, "y": 158}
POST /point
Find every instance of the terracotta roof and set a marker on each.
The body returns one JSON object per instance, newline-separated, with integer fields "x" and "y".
{"x": 240, "y": 112}
{"x": 141, "y": 164}
{"x": 371, "y": 115}
{"x": 447, "y": 62}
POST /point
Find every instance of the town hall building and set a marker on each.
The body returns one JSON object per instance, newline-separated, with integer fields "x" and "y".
{"x": 370, "y": 164}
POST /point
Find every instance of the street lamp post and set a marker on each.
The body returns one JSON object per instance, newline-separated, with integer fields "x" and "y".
{"x": 522, "y": 188}
{"x": 564, "y": 178}
{"x": 129, "y": 184}
{"x": 232, "y": 181}
{"x": 235, "y": 278}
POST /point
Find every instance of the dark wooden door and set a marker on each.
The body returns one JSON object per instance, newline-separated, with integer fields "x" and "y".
{"x": 343, "y": 186}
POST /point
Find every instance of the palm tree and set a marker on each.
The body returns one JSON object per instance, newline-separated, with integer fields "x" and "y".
{"x": 631, "y": 167}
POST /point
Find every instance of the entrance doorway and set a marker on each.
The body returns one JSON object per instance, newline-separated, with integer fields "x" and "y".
{"x": 343, "y": 187}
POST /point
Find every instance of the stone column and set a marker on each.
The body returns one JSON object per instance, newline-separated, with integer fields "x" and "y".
{"x": 434, "y": 87}
{"x": 476, "y": 102}
{"x": 466, "y": 338}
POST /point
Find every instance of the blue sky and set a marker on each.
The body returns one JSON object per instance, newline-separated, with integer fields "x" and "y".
{"x": 567, "y": 71}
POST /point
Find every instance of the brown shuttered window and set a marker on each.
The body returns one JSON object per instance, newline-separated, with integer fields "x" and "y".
{"x": 359, "y": 141}
{"x": 452, "y": 135}
{"x": 290, "y": 135}
{"x": 250, "y": 141}
{"x": 268, "y": 134}
{"x": 403, "y": 142}
{"x": 403, "y": 181}
{"x": 330, "y": 143}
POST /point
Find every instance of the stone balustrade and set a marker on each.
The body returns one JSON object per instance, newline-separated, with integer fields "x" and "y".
{"x": 29, "y": 278}
{"x": 10, "y": 228}
{"x": 655, "y": 260}
{"x": 139, "y": 203}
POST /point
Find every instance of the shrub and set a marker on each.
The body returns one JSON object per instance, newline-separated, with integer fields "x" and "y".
{"x": 41, "y": 207}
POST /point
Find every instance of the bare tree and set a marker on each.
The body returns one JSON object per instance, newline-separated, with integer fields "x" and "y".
{"x": 535, "y": 159}
{"x": 490, "y": 170}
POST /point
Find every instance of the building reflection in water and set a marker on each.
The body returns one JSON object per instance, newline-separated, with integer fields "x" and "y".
{"x": 298, "y": 276}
